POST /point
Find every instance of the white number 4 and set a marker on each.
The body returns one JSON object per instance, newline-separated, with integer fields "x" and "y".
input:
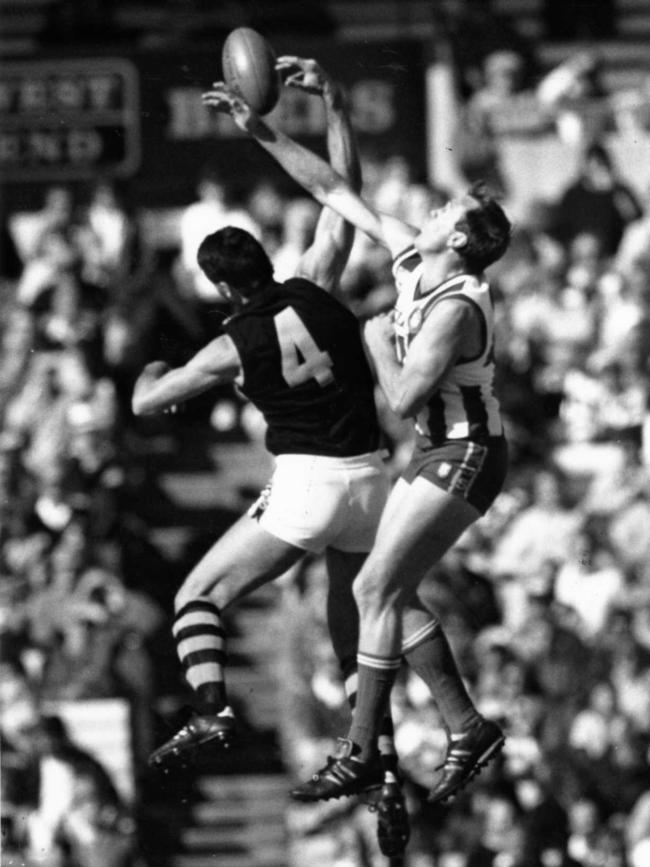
{"x": 301, "y": 357}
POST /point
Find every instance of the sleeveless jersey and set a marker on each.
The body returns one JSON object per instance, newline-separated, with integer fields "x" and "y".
{"x": 464, "y": 405}
{"x": 304, "y": 367}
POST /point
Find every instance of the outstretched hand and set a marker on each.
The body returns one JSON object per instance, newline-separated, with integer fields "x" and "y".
{"x": 303, "y": 74}
{"x": 224, "y": 99}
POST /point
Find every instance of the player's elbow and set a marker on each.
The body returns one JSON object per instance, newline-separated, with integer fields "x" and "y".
{"x": 407, "y": 403}
{"x": 402, "y": 407}
{"x": 329, "y": 188}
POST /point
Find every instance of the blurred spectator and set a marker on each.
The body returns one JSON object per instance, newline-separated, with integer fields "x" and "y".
{"x": 29, "y": 228}
{"x": 606, "y": 409}
{"x": 634, "y": 248}
{"x": 638, "y": 831}
{"x": 108, "y": 237}
{"x": 543, "y": 533}
{"x": 574, "y": 94}
{"x": 78, "y": 808}
{"x": 629, "y": 532}
{"x": 596, "y": 728}
{"x": 630, "y": 677}
{"x": 53, "y": 256}
{"x": 631, "y": 107}
{"x": 544, "y": 820}
{"x": 488, "y": 113}
{"x": 266, "y": 206}
{"x": 584, "y": 822}
{"x": 213, "y": 210}
{"x": 299, "y": 218}
{"x": 503, "y": 77}
{"x": 475, "y": 30}
{"x": 502, "y": 838}
{"x": 597, "y": 202}
{"x": 589, "y": 583}
{"x": 622, "y": 310}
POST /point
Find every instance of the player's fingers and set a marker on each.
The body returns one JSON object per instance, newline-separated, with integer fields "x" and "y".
{"x": 222, "y": 88}
{"x": 287, "y": 60}
{"x": 295, "y": 80}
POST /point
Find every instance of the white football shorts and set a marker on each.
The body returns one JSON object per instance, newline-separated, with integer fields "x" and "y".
{"x": 316, "y": 502}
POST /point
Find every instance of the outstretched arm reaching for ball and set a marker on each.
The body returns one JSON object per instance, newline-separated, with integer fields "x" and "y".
{"x": 323, "y": 262}
{"x": 324, "y": 183}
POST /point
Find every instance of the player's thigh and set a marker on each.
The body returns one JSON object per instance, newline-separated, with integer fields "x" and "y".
{"x": 362, "y": 506}
{"x": 420, "y": 523}
{"x": 303, "y": 506}
{"x": 244, "y": 558}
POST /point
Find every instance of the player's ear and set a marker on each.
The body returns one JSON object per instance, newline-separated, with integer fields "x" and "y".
{"x": 457, "y": 240}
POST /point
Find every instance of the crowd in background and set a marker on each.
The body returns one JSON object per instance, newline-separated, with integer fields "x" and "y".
{"x": 546, "y": 600}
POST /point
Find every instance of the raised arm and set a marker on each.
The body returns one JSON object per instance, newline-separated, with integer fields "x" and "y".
{"x": 160, "y": 388}
{"x": 324, "y": 261}
{"x": 325, "y": 184}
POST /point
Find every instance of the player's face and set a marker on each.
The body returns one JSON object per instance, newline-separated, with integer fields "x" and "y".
{"x": 440, "y": 225}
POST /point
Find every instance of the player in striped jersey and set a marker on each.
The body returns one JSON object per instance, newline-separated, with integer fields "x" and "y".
{"x": 434, "y": 360}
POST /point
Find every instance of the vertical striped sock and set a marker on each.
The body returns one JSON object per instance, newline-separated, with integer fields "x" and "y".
{"x": 428, "y": 654}
{"x": 200, "y": 641}
{"x": 376, "y": 675}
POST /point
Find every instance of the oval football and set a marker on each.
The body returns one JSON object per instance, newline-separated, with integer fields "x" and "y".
{"x": 248, "y": 63}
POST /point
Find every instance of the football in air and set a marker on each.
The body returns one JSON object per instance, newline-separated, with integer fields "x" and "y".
{"x": 248, "y": 63}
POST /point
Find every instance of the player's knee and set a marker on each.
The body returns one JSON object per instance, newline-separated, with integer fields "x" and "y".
{"x": 374, "y": 592}
{"x": 194, "y": 588}
{"x": 182, "y": 597}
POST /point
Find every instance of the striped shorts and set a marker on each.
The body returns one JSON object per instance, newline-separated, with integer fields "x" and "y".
{"x": 474, "y": 471}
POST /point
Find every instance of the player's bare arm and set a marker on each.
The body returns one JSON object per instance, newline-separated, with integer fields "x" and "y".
{"x": 324, "y": 261}
{"x": 159, "y": 388}
{"x": 326, "y": 185}
{"x": 449, "y": 333}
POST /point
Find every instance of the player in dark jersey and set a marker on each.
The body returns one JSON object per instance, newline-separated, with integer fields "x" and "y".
{"x": 297, "y": 354}
{"x": 442, "y": 329}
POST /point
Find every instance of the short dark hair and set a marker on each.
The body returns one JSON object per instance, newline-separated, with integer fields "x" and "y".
{"x": 234, "y": 256}
{"x": 487, "y": 228}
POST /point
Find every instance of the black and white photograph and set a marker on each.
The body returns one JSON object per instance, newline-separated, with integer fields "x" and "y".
{"x": 325, "y": 433}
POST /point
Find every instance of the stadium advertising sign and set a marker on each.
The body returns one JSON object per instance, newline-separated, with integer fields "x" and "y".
{"x": 141, "y": 118}
{"x": 68, "y": 119}
{"x": 180, "y": 135}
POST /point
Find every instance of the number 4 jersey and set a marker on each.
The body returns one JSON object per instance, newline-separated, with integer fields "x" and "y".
{"x": 304, "y": 367}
